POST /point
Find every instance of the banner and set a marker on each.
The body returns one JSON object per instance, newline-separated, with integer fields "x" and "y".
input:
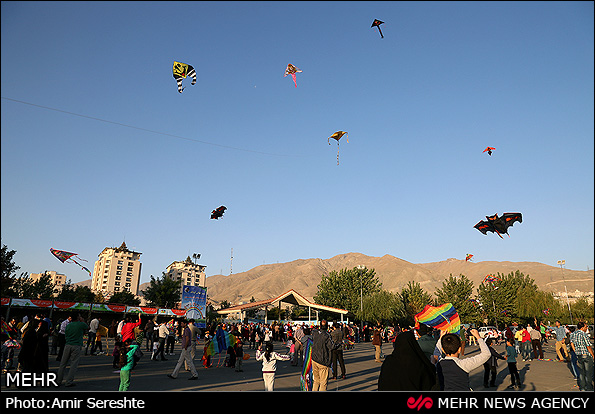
{"x": 194, "y": 302}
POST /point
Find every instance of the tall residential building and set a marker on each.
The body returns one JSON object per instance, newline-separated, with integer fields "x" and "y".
{"x": 116, "y": 270}
{"x": 57, "y": 278}
{"x": 189, "y": 273}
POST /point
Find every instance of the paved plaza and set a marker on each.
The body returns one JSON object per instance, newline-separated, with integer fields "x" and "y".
{"x": 95, "y": 373}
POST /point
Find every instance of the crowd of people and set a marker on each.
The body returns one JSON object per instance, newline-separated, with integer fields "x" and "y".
{"x": 422, "y": 358}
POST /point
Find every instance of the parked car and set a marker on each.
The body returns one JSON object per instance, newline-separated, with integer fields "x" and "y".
{"x": 485, "y": 330}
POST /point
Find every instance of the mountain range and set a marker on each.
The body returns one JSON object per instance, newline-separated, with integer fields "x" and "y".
{"x": 304, "y": 275}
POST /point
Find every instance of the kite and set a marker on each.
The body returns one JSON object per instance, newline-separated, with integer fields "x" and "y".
{"x": 180, "y": 71}
{"x": 218, "y": 212}
{"x": 491, "y": 279}
{"x": 443, "y": 317}
{"x": 63, "y": 256}
{"x": 306, "y": 379}
{"x": 377, "y": 23}
{"x": 468, "y": 257}
{"x": 499, "y": 225}
{"x": 337, "y": 135}
{"x": 489, "y": 150}
{"x": 292, "y": 70}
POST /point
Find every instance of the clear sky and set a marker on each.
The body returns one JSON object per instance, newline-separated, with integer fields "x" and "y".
{"x": 98, "y": 146}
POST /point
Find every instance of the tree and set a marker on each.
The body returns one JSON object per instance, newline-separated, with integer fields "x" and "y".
{"x": 42, "y": 288}
{"x": 459, "y": 291}
{"x": 8, "y": 269}
{"x": 413, "y": 299}
{"x": 75, "y": 293}
{"x": 125, "y": 298}
{"x": 163, "y": 292}
{"x": 344, "y": 289}
{"x": 382, "y": 306}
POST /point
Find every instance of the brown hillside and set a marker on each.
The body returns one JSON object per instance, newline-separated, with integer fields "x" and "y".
{"x": 304, "y": 275}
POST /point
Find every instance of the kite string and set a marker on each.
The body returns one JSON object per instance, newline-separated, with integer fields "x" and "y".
{"x": 143, "y": 129}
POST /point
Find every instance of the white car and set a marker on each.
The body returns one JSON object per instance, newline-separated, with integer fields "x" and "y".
{"x": 485, "y": 330}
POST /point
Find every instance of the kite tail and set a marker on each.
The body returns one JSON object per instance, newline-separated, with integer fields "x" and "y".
{"x": 337, "y": 154}
{"x": 381, "y": 35}
{"x": 294, "y": 79}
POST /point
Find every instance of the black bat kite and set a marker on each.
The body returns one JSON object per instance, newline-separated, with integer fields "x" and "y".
{"x": 377, "y": 23}
{"x": 499, "y": 225}
{"x": 218, "y": 212}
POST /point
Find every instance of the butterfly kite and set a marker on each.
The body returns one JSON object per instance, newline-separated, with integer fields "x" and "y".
{"x": 499, "y": 225}
{"x": 63, "y": 256}
{"x": 338, "y": 135}
{"x": 443, "y": 317}
{"x": 292, "y": 70}
{"x": 489, "y": 150}
{"x": 181, "y": 71}
{"x": 377, "y": 23}
{"x": 218, "y": 212}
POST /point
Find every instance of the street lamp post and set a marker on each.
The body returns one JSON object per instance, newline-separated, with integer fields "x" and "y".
{"x": 361, "y": 298}
{"x": 562, "y": 263}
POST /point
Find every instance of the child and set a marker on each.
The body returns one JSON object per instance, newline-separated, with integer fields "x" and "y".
{"x": 291, "y": 346}
{"x": 511, "y": 360}
{"x": 491, "y": 365}
{"x": 126, "y": 363}
{"x": 98, "y": 344}
{"x": 269, "y": 360}
{"x": 116, "y": 355}
{"x": 239, "y": 348}
{"x": 155, "y": 351}
{"x": 453, "y": 372}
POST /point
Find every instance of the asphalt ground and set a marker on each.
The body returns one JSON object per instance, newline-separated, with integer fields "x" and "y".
{"x": 95, "y": 373}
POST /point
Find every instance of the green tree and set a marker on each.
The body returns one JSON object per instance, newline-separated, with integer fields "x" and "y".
{"x": 459, "y": 291}
{"x": 163, "y": 292}
{"x": 42, "y": 288}
{"x": 124, "y": 298}
{"x": 502, "y": 300}
{"x": 75, "y": 293}
{"x": 382, "y": 306}
{"x": 345, "y": 288}
{"x": 413, "y": 299}
{"x": 8, "y": 270}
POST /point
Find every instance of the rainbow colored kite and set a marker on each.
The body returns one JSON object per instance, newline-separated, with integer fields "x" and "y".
{"x": 63, "y": 256}
{"x": 491, "y": 279}
{"x": 221, "y": 342}
{"x": 306, "y": 379}
{"x": 443, "y": 317}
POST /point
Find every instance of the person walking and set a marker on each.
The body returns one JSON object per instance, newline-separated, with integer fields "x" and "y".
{"x": 194, "y": 334}
{"x": 338, "y": 336}
{"x": 163, "y": 333}
{"x": 92, "y": 335}
{"x": 269, "y": 360}
{"x": 581, "y": 345}
{"x": 185, "y": 356}
{"x": 62, "y": 337}
{"x": 491, "y": 365}
{"x": 322, "y": 345}
{"x": 536, "y": 342}
{"x": 377, "y": 342}
{"x": 560, "y": 332}
{"x": 511, "y": 354}
{"x": 72, "y": 349}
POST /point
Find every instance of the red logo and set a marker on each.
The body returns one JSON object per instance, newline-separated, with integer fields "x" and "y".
{"x": 420, "y": 403}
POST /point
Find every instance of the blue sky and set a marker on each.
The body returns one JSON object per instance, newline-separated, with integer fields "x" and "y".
{"x": 98, "y": 146}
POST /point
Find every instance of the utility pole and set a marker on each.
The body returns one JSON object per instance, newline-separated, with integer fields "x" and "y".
{"x": 562, "y": 263}
{"x": 231, "y": 262}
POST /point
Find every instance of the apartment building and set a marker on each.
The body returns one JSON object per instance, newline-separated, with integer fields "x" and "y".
{"x": 117, "y": 270}
{"x": 56, "y": 278}
{"x": 188, "y": 272}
